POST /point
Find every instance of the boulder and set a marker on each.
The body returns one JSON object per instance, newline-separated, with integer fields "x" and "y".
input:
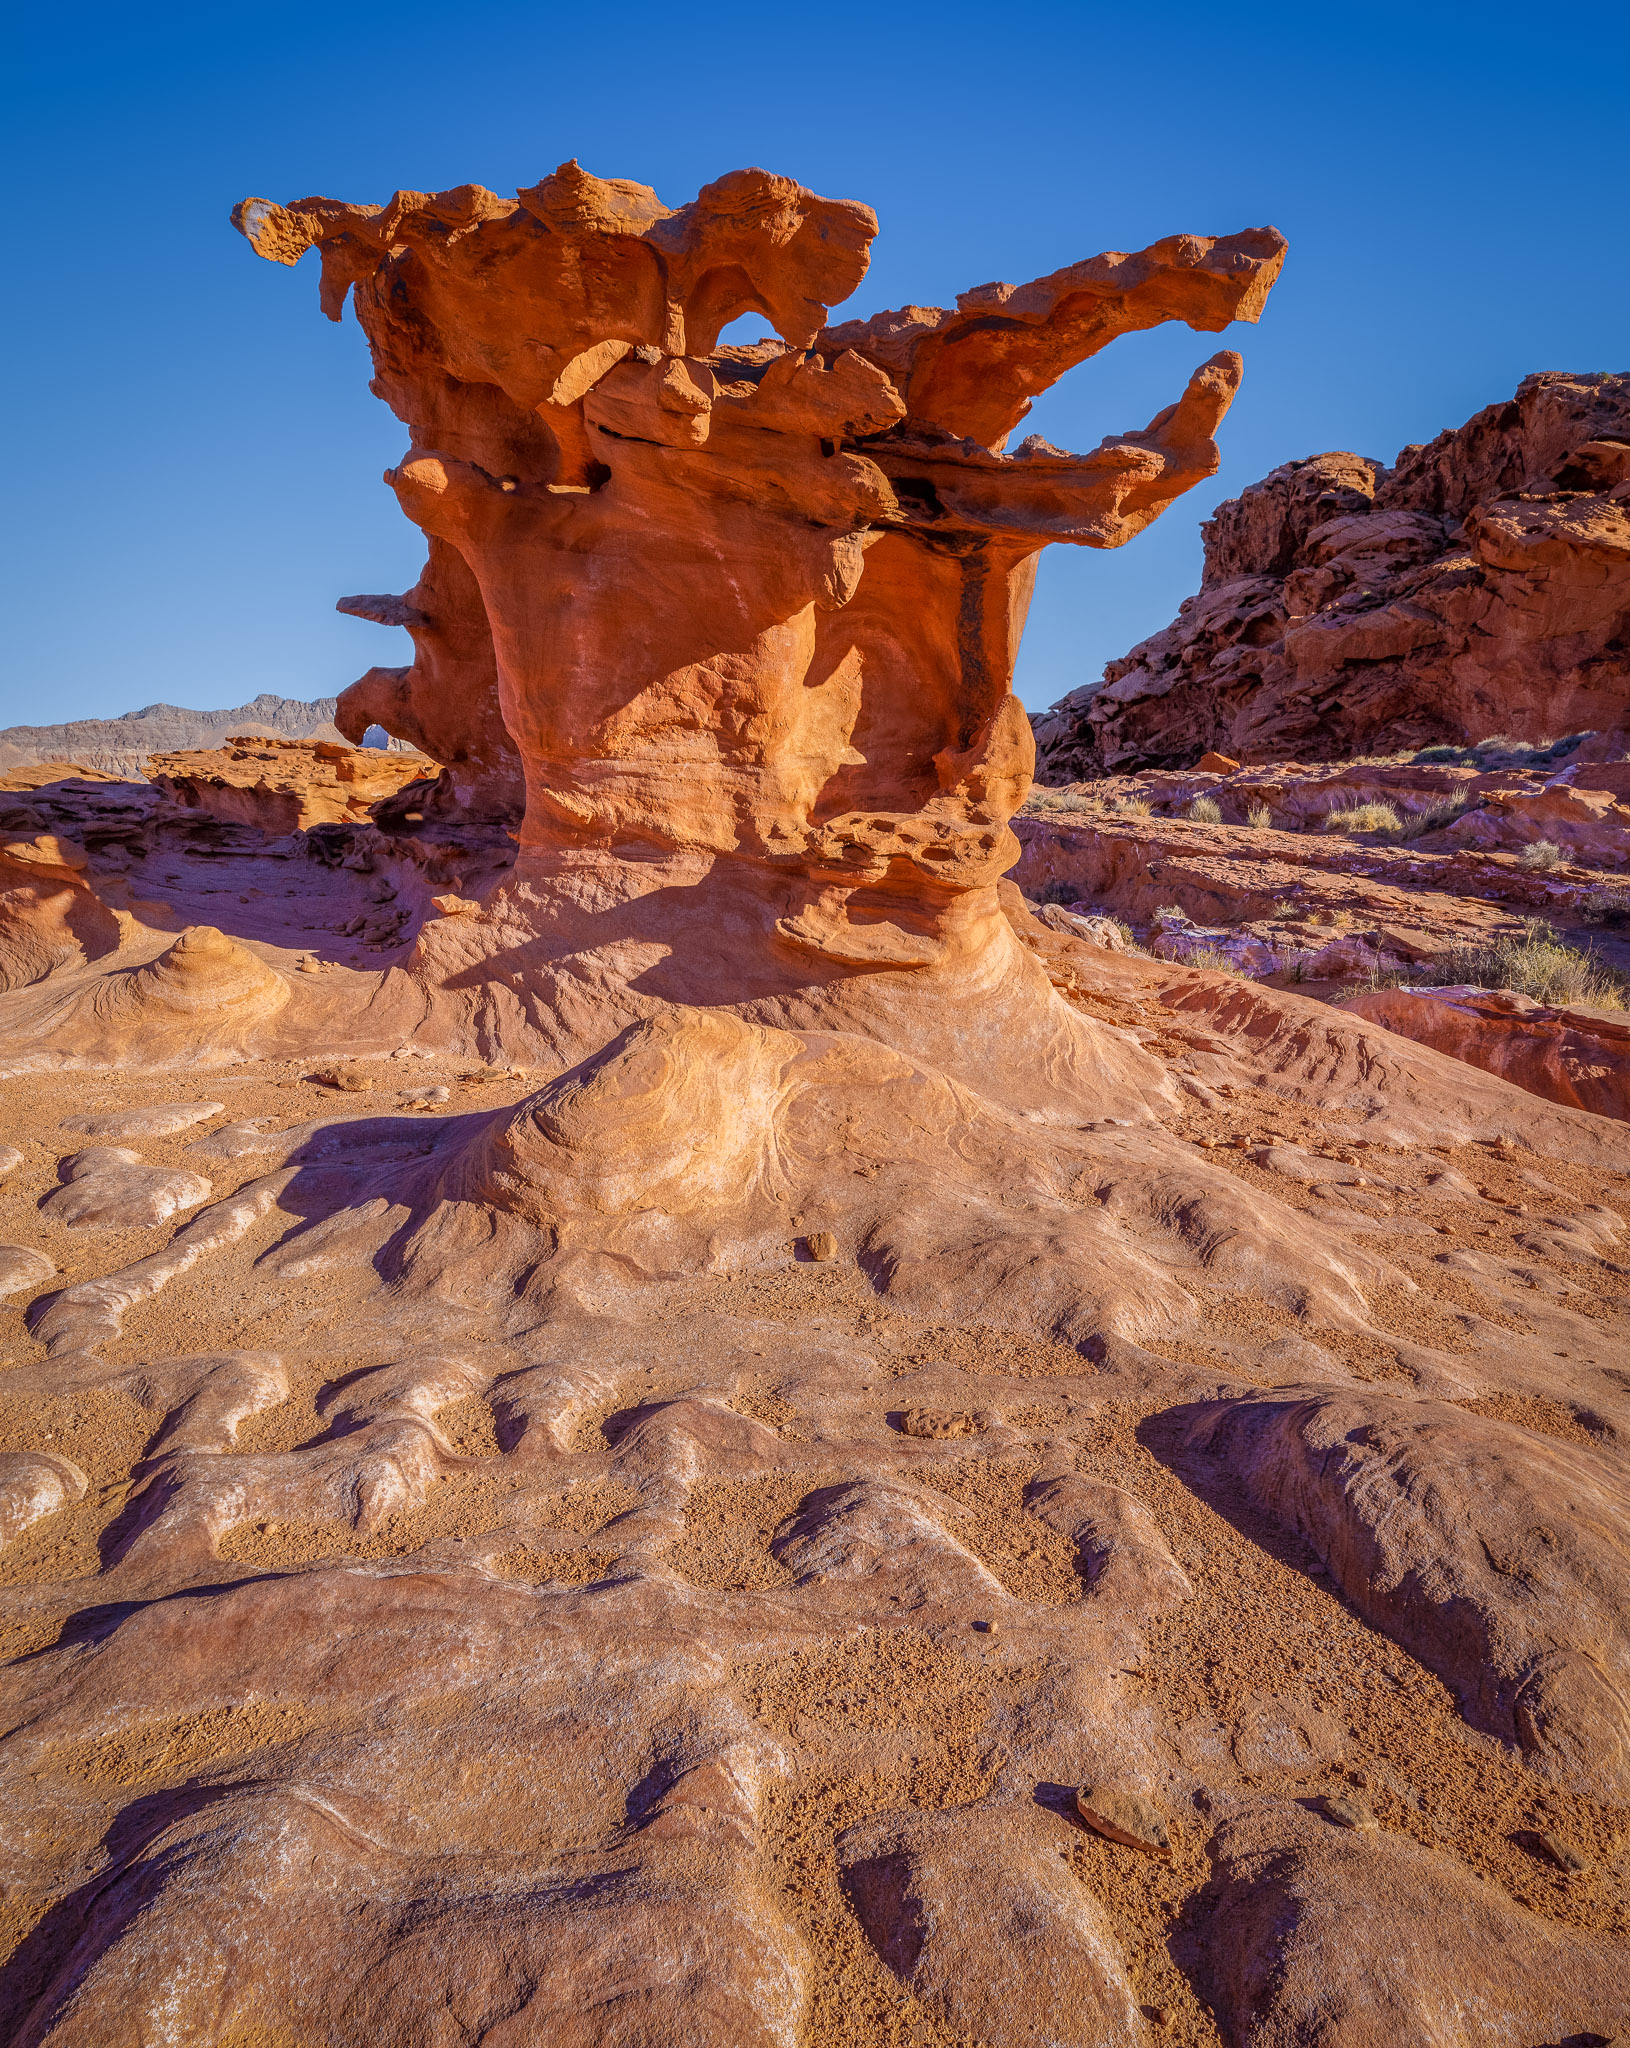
{"x": 1577, "y": 1056}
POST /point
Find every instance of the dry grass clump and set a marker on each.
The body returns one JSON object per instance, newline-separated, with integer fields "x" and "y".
{"x": 1536, "y": 962}
{"x": 1260, "y": 816}
{"x": 1131, "y": 806}
{"x": 1217, "y": 961}
{"x": 1206, "y": 810}
{"x": 1541, "y": 857}
{"x": 1433, "y": 817}
{"x": 1500, "y": 750}
{"x": 1043, "y": 800}
{"x": 1605, "y": 906}
{"x": 1375, "y": 817}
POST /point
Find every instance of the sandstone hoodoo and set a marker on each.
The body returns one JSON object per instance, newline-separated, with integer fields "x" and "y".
{"x": 1480, "y": 585}
{"x": 746, "y": 617}
{"x": 639, "y": 1404}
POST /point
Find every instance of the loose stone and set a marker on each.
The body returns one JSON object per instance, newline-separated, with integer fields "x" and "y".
{"x": 1124, "y": 1817}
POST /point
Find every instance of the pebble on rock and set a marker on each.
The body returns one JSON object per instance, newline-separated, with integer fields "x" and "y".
{"x": 1124, "y": 1817}
{"x": 821, "y": 1244}
{"x": 932, "y": 1424}
{"x": 1563, "y": 1854}
{"x": 1344, "y": 1812}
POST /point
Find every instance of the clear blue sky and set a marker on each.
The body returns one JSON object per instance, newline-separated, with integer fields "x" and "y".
{"x": 196, "y": 458}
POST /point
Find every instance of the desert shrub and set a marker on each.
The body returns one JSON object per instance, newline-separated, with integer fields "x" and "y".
{"x": 1131, "y": 806}
{"x": 1260, "y": 816}
{"x": 1605, "y": 906}
{"x": 1057, "y": 803}
{"x": 1543, "y": 855}
{"x": 1364, "y": 818}
{"x": 1500, "y": 750}
{"x": 1536, "y": 962}
{"x": 1433, "y": 817}
{"x": 1218, "y": 962}
{"x": 1205, "y": 810}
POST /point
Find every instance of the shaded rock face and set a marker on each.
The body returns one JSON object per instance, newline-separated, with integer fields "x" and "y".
{"x": 446, "y": 703}
{"x": 752, "y": 613}
{"x": 1480, "y": 585}
{"x": 1579, "y": 1057}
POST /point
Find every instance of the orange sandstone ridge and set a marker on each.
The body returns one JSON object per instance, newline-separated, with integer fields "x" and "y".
{"x": 638, "y": 1408}
{"x": 1480, "y": 585}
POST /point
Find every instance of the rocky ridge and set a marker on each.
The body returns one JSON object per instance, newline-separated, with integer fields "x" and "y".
{"x": 1479, "y": 585}
{"x": 122, "y": 746}
{"x": 1357, "y": 880}
{"x": 287, "y": 785}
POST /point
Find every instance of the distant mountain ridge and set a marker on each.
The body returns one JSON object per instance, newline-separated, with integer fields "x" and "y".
{"x": 123, "y": 745}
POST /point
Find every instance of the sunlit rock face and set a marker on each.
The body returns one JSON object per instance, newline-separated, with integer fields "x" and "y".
{"x": 1480, "y": 586}
{"x": 751, "y": 613}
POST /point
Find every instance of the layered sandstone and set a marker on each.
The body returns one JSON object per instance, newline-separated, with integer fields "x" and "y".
{"x": 1480, "y": 585}
{"x": 752, "y": 612}
{"x": 286, "y": 785}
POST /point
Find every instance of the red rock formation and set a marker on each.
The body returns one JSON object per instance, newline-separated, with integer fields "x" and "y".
{"x": 446, "y": 703}
{"x": 49, "y": 915}
{"x": 1577, "y": 1056}
{"x": 1481, "y": 585}
{"x": 285, "y": 785}
{"x": 754, "y": 611}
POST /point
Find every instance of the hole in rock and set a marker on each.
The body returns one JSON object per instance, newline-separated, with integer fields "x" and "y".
{"x": 918, "y": 495}
{"x": 745, "y": 331}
